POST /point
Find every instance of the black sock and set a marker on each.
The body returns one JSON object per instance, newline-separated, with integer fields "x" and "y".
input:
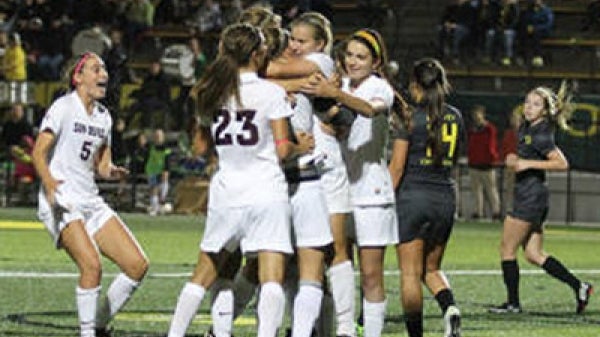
{"x": 445, "y": 299}
{"x": 510, "y": 271}
{"x": 414, "y": 323}
{"x": 553, "y": 267}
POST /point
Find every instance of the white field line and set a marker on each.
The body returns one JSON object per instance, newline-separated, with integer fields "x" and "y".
{"x": 489, "y": 272}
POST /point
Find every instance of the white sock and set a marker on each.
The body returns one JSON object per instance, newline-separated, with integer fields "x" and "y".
{"x": 271, "y": 304}
{"x": 117, "y": 295}
{"x": 189, "y": 300}
{"x": 243, "y": 291}
{"x": 374, "y": 314}
{"x": 86, "y": 310}
{"x": 342, "y": 285}
{"x": 154, "y": 202}
{"x": 164, "y": 190}
{"x": 222, "y": 313}
{"x": 307, "y": 306}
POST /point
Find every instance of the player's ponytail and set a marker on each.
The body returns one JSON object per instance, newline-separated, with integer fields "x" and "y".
{"x": 559, "y": 105}
{"x": 430, "y": 76}
{"x": 220, "y": 81}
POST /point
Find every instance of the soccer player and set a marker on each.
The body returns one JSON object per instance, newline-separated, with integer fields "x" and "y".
{"x": 74, "y": 144}
{"x": 537, "y": 152}
{"x": 365, "y": 91}
{"x": 247, "y": 117}
{"x": 425, "y": 149}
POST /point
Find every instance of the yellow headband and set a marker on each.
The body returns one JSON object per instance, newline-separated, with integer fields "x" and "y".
{"x": 371, "y": 40}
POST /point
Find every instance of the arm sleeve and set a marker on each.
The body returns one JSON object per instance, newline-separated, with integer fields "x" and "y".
{"x": 53, "y": 119}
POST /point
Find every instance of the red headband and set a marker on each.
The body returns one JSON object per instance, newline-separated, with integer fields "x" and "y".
{"x": 79, "y": 65}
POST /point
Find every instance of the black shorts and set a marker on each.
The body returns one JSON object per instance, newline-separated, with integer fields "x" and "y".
{"x": 425, "y": 212}
{"x": 531, "y": 202}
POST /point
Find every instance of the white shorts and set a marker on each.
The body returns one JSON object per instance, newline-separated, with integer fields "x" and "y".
{"x": 310, "y": 219}
{"x": 337, "y": 190}
{"x": 375, "y": 225}
{"x": 255, "y": 227}
{"x": 93, "y": 212}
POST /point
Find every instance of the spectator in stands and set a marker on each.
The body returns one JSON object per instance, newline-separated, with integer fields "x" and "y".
{"x": 509, "y": 145}
{"x": 488, "y": 12}
{"x": 52, "y": 48}
{"x": 139, "y": 155}
{"x": 120, "y": 151}
{"x": 482, "y": 152}
{"x": 208, "y": 17}
{"x": 456, "y": 26}
{"x": 592, "y": 17}
{"x": 157, "y": 171}
{"x": 153, "y": 98}
{"x": 139, "y": 17}
{"x": 192, "y": 155}
{"x": 14, "y": 63}
{"x": 17, "y": 137}
{"x": 502, "y": 31}
{"x": 535, "y": 24}
{"x": 116, "y": 65}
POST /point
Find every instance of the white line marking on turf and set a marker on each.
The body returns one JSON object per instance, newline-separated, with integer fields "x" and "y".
{"x": 488, "y": 272}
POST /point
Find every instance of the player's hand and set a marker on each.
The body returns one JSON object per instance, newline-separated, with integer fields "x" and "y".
{"x": 306, "y": 142}
{"x": 50, "y": 189}
{"x": 118, "y": 172}
{"x": 515, "y": 163}
{"x": 319, "y": 86}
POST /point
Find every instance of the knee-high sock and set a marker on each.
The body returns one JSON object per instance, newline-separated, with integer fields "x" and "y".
{"x": 243, "y": 291}
{"x": 87, "y": 300}
{"x": 342, "y": 284}
{"x": 120, "y": 290}
{"x": 189, "y": 300}
{"x": 374, "y": 315}
{"x": 510, "y": 272}
{"x": 445, "y": 298}
{"x": 553, "y": 267}
{"x": 271, "y": 304}
{"x": 222, "y": 312}
{"x": 414, "y": 323}
{"x": 164, "y": 190}
{"x": 307, "y": 306}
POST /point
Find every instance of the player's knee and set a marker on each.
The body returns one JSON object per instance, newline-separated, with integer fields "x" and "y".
{"x": 534, "y": 257}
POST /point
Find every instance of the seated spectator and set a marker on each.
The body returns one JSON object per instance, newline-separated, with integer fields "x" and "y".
{"x": 153, "y": 98}
{"x": 457, "y": 23}
{"x": 208, "y": 17}
{"x": 14, "y": 62}
{"x": 483, "y": 156}
{"x": 157, "y": 171}
{"x": 535, "y": 24}
{"x": 139, "y": 17}
{"x": 17, "y": 135}
{"x": 502, "y": 31}
{"x": 592, "y": 17}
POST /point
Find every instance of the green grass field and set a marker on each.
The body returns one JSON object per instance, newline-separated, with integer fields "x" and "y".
{"x": 37, "y": 282}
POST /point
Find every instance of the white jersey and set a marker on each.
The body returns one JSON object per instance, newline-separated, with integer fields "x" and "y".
{"x": 249, "y": 172}
{"x": 79, "y": 136}
{"x": 302, "y": 120}
{"x": 365, "y": 152}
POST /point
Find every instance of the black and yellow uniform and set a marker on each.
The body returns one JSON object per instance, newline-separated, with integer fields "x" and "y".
{"x": 531, "y": 193}
{"x": 425, "y": 199}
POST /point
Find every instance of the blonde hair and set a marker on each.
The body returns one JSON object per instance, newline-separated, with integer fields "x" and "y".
{"x": 559, "y": 105}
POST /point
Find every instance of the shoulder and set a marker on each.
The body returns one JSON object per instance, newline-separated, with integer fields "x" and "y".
{"x": 269, "y": 89}
{"x": 323, "y": 61}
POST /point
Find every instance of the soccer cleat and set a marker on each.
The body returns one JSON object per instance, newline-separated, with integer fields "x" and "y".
{"x": 506, "y": 308}
{"x": 452, "y": 322}
{"x": 583, "y": 296}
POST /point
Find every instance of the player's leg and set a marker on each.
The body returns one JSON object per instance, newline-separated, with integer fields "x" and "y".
{"x": 535, "y": 254}
{"x": 78, "y": 244}
{"x": 205, "y": 273}
{"x": 410, "y": 261}
{"x": 371, "y": 271}
{"x": 271, "y": 303}
{"x": 341, "y": 277}
{"x": 307, "y": 302}
{"x": 118, "y": 244}
{"x": 440, "y": 287}
{"x": 514, "y": 233}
